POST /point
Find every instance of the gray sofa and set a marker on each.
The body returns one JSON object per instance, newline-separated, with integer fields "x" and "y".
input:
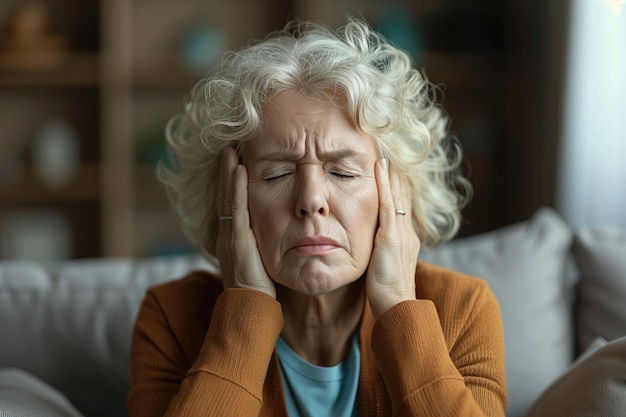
{"x": 65, "y": 328}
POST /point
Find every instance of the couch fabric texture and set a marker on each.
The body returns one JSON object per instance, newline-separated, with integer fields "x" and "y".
{"x": 24, "y": 395}
{"x": 593, "y": 386}
{"x": 67, "y": 326}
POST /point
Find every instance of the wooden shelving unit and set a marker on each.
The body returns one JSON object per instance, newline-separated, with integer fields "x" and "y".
{"x": 124, "y": 75}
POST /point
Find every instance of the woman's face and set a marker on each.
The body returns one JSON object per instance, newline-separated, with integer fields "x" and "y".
{"x": 312, "y": 194}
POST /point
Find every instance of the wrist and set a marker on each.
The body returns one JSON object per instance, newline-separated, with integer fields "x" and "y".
{"x": 379, "y": 307}
{"x": 266, "y": 289}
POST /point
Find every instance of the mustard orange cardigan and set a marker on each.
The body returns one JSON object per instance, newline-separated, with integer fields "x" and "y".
{"x": 198, "y": 350}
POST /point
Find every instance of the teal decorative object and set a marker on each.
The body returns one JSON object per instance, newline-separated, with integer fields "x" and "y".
{"x": 396, "y": 23}
{"x": 201, "y": 48}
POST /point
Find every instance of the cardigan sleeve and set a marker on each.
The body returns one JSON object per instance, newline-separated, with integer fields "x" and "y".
{"x": 427, "y": 372}
{"x": 228, "y": 374}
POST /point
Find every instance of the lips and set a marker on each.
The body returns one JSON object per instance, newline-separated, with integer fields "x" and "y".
{"x": 315, "y": 245}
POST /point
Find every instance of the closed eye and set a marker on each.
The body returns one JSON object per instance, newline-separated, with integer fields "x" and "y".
{"x": 341, "y": 175}
{"x": 278, "y": 177}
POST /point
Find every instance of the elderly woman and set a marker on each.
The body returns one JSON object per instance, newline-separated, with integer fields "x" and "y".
{"x": 311, "y": 165}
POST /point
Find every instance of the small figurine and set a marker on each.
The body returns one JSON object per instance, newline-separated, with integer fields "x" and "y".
{"x": 29, "y": 45}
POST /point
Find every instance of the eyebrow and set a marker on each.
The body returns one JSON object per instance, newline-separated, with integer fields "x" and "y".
{"x": 326, "y": 156}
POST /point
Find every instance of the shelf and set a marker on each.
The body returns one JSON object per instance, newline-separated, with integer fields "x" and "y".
{"x": 165, "y": 73}
{"x": 82, "y": 187}
{"x": 131, "y": 77}
{"x": 148, "y": 189}
{"x": 464, "y": 70}
{"x": 76, "y": 70}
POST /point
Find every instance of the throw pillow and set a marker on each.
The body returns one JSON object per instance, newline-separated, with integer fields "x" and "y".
{"x": 525, "y": 265}
{"x": 601, "y": 258}
{"x": 594, "y": 386}
{"x": 24, "y": 395}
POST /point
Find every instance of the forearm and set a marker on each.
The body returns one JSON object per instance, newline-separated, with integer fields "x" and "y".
{"x": 421, "y": 376}
{"x": 228, "y": 374}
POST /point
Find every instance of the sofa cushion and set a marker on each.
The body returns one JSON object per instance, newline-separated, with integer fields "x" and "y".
{"x": 24, "y": 395}
{"x": 525, "y": 265}
{"x": 601, "y": 258}
{"x": 70, "y": 323}
{"x": 594, "y": 386}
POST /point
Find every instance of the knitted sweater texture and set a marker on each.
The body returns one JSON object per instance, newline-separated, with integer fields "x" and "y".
{"x": 198, "y": 350}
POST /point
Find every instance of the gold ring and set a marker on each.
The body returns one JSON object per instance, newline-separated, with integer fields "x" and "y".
{"x": 226, "y": 217}
{"x": 400, "y": 211}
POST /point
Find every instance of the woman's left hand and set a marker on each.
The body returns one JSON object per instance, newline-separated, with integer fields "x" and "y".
{"x": 391, "y": 272}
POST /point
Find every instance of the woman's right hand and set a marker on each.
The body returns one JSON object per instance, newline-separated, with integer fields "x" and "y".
{"x": 239, "y": 257}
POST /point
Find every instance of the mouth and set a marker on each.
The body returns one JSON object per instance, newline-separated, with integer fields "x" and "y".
{"x": 315, "y": 245}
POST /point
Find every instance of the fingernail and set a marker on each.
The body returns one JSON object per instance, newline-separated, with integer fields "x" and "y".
{"x": 385, "y": 164}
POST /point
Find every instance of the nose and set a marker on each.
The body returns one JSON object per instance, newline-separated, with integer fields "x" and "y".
{"x": 312, "y": 193}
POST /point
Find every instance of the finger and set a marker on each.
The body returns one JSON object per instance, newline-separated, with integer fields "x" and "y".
{"x": 224, "y": 191}
{"x": 400, "y": 191}
{"x": 394, "y": 185}
{"x": 221, "y": 184}
{"x": 385, "y": 197}
{"x": 239, "y": 208}
{"x": 228, "y": 164}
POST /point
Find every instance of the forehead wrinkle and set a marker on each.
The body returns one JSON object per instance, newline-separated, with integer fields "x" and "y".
{"x": 293, "y": 156}
{"x": 294, "y": 146}
{"x": 284, "y": 145}
{"x": 300, "y": 135}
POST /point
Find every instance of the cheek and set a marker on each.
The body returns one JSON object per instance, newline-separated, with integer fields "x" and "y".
{"x": 266, "y": 210}
{"x": 359, "y": 208}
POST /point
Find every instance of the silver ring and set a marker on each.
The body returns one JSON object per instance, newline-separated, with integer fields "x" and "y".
{"x": 400, "y": 211}
{"x": 226, "y": 217}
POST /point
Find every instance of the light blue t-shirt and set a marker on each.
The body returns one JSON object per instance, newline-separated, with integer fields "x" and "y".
{"x": 312, "y": 391}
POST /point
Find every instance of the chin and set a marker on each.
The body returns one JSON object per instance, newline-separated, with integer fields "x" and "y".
{"x": 316, "y": 276}
{"x": 317, "y": 285}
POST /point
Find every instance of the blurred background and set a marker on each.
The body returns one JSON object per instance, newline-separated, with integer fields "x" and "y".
{"x": 534, "y": 89}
